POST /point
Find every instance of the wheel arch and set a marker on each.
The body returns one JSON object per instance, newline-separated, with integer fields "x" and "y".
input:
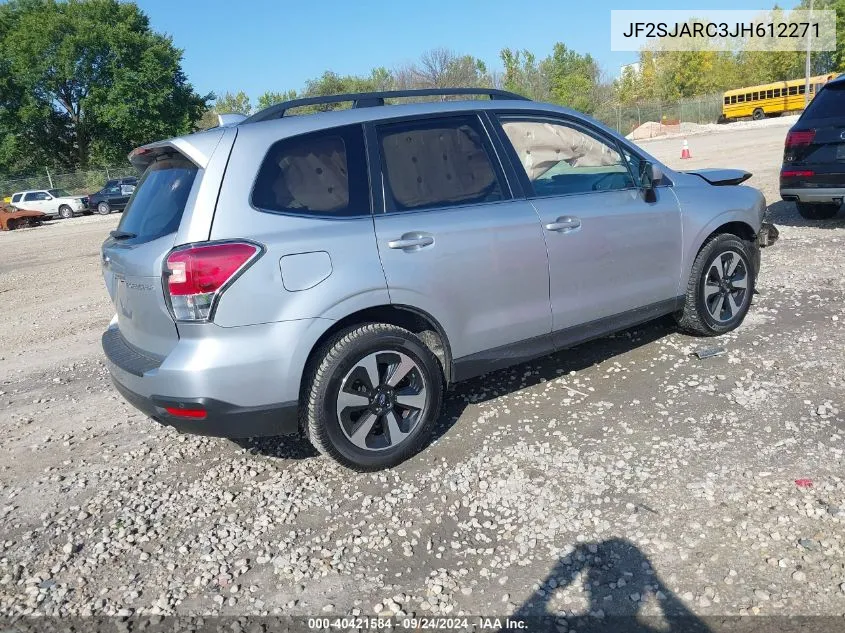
{"x": 410, "y": 318}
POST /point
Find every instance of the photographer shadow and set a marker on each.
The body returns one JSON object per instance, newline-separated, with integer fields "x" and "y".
{"x": 619, "y": 578}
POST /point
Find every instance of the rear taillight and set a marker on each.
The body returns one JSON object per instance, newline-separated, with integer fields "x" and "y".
{"x": 801, "y": 137}
{"x": 196, "y": 276}
{"x": 797, "y": 173}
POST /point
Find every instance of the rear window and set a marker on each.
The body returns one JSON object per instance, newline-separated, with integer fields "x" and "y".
{"x": 157, "y": 206}
{"x": 828, "y": 103}
{"x": 322, "y": 173}
{"x": 16, "y": 197}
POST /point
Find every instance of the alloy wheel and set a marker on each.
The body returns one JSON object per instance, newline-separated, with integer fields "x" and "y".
{"x": 726, "y": 286}
{"x": 381, "y": 400}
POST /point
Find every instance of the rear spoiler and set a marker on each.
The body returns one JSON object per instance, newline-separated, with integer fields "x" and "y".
{"x": 720, "y": 177}
{"x": 197, "y": 148}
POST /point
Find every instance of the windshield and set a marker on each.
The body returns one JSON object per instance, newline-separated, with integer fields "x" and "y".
{"x": 58, "y": 193}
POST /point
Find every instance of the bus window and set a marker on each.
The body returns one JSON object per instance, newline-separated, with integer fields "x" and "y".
{"x": 748, "y": 96}
{"x": 793, "y": 90}
{"x": 777, "y": 93}
{"x": 770, "y": 94}
{"x": 733, "y": 99}
{"x": 727, "y": 100}
{"x": 740, "y": 98}
{"x": 755, "y": 96}
{"x": 801, "y": 89}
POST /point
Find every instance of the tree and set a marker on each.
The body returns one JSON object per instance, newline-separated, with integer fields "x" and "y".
{"x": 572, "y": 78}
{"x": 83, "y": 83}
{"x": 272, "y": 98}
{"x": 233, "y": 103}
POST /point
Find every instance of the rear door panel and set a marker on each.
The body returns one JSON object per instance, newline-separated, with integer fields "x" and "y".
{"x": 484, "y": 273}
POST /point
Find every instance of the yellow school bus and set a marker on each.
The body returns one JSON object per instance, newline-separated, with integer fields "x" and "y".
{"x": 769, "y": 99}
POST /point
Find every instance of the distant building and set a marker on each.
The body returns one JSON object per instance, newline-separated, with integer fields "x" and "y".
{"x": 633, "y": 67}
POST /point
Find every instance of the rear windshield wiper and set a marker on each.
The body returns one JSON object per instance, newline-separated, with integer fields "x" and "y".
{"x": 122, "y": 235}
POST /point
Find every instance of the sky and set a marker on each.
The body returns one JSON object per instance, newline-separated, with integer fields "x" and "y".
{"x": 259, "y": 45}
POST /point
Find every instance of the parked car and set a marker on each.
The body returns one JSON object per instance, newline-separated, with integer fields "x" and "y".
{"x": 813, "y": 173}
{"x": 52, "y": 202}
{"x": 113, "y": 197}
{"x": 12, "y": 218}
{"x": 334, "y": 273}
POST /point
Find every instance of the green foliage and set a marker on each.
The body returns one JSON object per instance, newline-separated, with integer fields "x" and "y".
{"x": 83, "y": 82}
{"x": 271, "y": 98}
{"x": 572, "y": 78}
{"x": 230, "y": 103}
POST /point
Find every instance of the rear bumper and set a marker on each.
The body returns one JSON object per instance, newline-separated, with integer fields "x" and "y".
{"x": 245, "y": 379}
{"x": 222, "y": 419}
{"x": 813, "y": 194}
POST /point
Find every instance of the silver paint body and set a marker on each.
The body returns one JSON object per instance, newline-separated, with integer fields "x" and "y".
{"x": 493, "y": 275}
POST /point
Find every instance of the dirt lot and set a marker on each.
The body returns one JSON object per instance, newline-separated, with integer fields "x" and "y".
{"x": 624, "y": 477}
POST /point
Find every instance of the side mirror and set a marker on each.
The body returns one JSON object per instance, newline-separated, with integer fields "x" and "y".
{"x": 650, "y": 177}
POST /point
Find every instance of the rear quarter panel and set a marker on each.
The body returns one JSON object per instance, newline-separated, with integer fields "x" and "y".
{"x": 350, "y": 276}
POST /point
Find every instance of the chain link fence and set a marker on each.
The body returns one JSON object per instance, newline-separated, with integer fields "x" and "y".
{"x": 656, "y": 118}
{"x": 76, "y": 182}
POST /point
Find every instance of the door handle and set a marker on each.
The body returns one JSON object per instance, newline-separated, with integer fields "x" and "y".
{"x": 411, "y": 242}
{"x": 565, "y": 224}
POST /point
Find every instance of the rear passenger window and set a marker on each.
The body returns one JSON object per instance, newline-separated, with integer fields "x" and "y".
{"x": 437, "y": 163}
{"x": 323, "y": 173}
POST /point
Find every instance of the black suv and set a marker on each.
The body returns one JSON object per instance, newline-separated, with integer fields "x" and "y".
{"x": 113, "y": 196}
{"x": 813, "y": 173}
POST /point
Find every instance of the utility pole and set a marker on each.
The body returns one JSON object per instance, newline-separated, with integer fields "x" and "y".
{"x": 807, "y": 62}
{"x": 49, "y": 177}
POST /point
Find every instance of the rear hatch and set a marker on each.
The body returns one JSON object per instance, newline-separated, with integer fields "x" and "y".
{"x": 814, "y": 154}
{"x": 133, "y": 254}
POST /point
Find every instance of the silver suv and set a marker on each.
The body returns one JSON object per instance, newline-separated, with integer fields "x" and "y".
{"x": 333, "y": 273}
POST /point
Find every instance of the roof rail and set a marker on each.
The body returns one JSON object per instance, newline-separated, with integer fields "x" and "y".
{"x": 370, "y": 99}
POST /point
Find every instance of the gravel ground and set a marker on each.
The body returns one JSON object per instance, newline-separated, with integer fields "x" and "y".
{"x": 625, "y": 477}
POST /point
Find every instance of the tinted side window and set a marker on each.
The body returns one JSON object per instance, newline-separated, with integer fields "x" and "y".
{"x": 829, "y": 102}
{"x": 560, "y": 159}
{"x": 437, "y": 163}
{"x": 35, "y": 195}
{"x": 323, "y": 173}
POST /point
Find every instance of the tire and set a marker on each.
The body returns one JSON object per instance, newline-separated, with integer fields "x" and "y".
{"x": 346, "y": 431}
{"x": 758, "y": 114}
{"x": 703, "y": 316}
{"x": 65, "y": 212}
{"x": 103, "y": 208}
{"x": 823, "y": 211}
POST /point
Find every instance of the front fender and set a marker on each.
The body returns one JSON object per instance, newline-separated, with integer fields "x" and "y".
{"x": 706, "y": 208}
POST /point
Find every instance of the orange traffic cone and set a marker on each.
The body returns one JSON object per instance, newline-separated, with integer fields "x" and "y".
{"x": 685, "y": 150}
